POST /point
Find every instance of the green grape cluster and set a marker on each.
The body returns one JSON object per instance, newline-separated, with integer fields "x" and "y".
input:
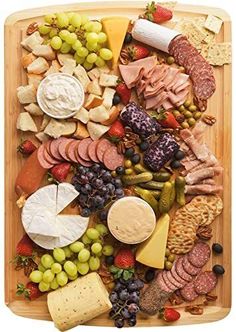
{"x": 68, "y": 263}
{"x": 76, "y": 34}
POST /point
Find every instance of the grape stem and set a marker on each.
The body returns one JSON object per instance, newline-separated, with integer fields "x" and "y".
{"x": 121, "y": 307}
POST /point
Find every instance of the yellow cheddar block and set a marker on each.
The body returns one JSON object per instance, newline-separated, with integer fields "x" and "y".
{"x": 115, "y": 28}
{"x": 152, "y": 251}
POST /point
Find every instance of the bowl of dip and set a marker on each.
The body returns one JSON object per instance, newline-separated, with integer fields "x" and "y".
{"x": 60, "y": 95}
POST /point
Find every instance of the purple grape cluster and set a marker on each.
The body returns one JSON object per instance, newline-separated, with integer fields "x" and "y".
{"x": 125, "y": 301}
{"x": 97, "y": 188}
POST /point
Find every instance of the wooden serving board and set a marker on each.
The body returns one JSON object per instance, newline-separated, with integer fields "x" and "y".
{"x": 217, "y": 137}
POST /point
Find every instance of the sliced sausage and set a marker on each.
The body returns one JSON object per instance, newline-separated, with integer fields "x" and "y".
{"x": 180, "y": 270}
{"x": 43, "y": 162}
{"x": 83, "y": 148}
{"x": 160, "y": 282}
{"x": 102, "y": 147}
{"x": 71, "y": 151}
{"x": 48, "y": 157}
{"x": 112, "y": 159}
{"x": 173, "y": 281}
{"x": 68, "y": 146}
{"x": 62, "y": 148}
{"x": 80, "y": 160}
{"x": 53, "y": 147}
{"x": 200, "y": 254}
{"x": 92, "y": 148}
{"x": 188, "y": 293}
{"x": 205, "y": 282}
{"x": 176, "y": 276}
{"x": 190, "y": 268}
{"x": 171, "y": 286}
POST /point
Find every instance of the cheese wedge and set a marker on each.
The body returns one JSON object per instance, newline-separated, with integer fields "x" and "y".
{"x": 152, "y": 251}
{"x": 115, "y": 28}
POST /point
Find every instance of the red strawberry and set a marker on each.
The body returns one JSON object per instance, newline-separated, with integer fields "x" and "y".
{"x": 157, "y": 14}
{"x": 124, "y": 259}
{"x": 169, "y": 314}
{"x": 137, "y": 52}
{"x": 123, "y": 92}
{"x": 167, "y": 120}
{"x": 117, "y": 130}
{"x": 25, "y": 247}
{"x": 26, "y": 148}
{"x": 30, "y": 292}
{"x": 60, "y": 171}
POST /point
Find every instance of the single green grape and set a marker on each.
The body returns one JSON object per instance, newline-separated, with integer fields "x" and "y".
{"x": 50, "y": 18}
{"x": 67, "y": 252}
{"x": 107, "y": 250}
{"x": 56, "y": 268}
{"x": 47, "y": 261}
{"x": 76, "y": 246}
{"x": 59, "y": 255}
{"x": 100, "y": 62}
{"x": 36, "y": 276}
{"x": 54, "y": 284}
{"x": 75, "y": 20}
{"x": 70, "y": 268}
{"x": 105, "y": 54}
{"x": 100, "y": 240}
{"x": 82, "y": 52}
{"x": 97, "y": 27}
{"x": 92, "y": 37}
{"x": 83, "y": 255}
{"x": 62, "y": 278}
{"x": 44, "y": 286}
{"x": 78, "y": 59}
{"x": 71, "y": 38}
{"x": 84, "y": 19}
{"x": 70, "y": 15}
{"x": 92, "y": 233}
{"x": 56, "y": 43}
{"x": 53, "y": 32}
{"x": 94, "y": 263}
{"x": 91, "y": 46}
{"x": 41, "y": 267}
{"x": 88, "y": 26}
{"x": 44, "y": 29}
{"x": 48, "y": 276}
{"x": 102, "y": 229}
{"x": 77, "y": 44}
{"x": 102, "y": 37}
{"x": 71, "y": 28}
{"x": 65, "y": 48}
{"x": 83, "y": 268}
{"x": 91, "y": 58}
{"x": 73, "y": 277}
{"x": 63, "y": 34}
{"x": 96, "y": 248}
{"x": 62, "y": 20}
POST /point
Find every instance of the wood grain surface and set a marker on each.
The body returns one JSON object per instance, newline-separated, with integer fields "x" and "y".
{"x": 217, "y": 137}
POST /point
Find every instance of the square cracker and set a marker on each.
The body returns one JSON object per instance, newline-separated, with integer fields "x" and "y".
{"x": 219, "y": 54}
{"x": 213, "y": 23}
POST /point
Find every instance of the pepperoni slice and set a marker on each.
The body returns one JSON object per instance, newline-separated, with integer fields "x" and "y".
{"x": 112, "y": 159}
{"x": 62, "y": 148}
{"x": 205, "y": 282}
{"x": 53, "y": 148}
{"x": 188, "y": 293}
{"x": 102, "y": 147}
{"x": 70, "y": 150}
{"x": 83, "y": 148}
{"x": 43, "y": 162}
{"x": 92, "y": 151}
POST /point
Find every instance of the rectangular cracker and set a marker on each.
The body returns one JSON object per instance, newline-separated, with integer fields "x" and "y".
{"x": 213, "y": 23}
{"x": 219, "y": 54}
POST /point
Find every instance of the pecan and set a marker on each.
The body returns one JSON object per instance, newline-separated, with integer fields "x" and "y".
{"x": 105, "y": 274}
{"x": 204, "y": 232}
{"x": 129, "y": 191}
{"x": 175, "y": 299}
{"x": 180, "y": 118}
{"x": 121, "y": 147}
{"x": 211, "y": 297}
{"x": 124, "y": 57}
{"x": 194, "y": 309}
{"x": 209, "y": 119}
{"x": 32, "y": 28}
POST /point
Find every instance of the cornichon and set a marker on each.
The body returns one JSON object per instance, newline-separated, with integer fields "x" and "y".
{"x": 180, "y": 186}
{"x": 164, "y": 202}
{"x": 173, "y": 193}
{"x": 135, "y": 179}
{"x": 155, "y": 193}
{"x": 140, "y": 168}
{"x": 148, "y": 197}
{"x": 152, "y": 185}
{"x": 161, "y": 176}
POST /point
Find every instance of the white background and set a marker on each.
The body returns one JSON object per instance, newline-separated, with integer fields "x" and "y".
{"x": 11, "y": 322}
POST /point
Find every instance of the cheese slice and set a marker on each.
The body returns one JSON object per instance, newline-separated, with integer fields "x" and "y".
{"x": 152, "y": 251}
{"x": 115, "y": 28}
{"x": 47, "y": 224}
{"x": 66, "y": 193}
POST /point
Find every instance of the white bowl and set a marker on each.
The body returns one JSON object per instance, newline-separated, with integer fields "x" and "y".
{"x": 42, "y": 86}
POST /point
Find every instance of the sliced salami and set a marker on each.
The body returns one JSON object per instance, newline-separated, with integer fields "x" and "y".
{"x": 70, "y": 150}
{"x": 92, "y": 151}
{"x": 80, "y": 160}
{"x": 176, "y": 276}
{"x": 62, "y": 148}
{"x": 205, "y": 282}
{"x": 200, "y": 254}
{"x": 162, "y": 284}
{"x": 53, "y": 148}
{"x": 188, "y": 293}
{"x": 173, "y": 281}
{"x": 190, "y": 268}
{"x": 48, "y": 157}
{"x": 83, "y": 148}
{"x": 43, "y": 162}
{"x": 102, "y": 147}
{"x": 112, "y": 159}
{"x": 180, "y": 270}
{"x": 167, "y": 282}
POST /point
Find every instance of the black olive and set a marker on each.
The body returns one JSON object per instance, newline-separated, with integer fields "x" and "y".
{"x": 179, "y": 155}
{"x": 144, "y": 146}
{"x": 128, "y": 38}
{"x": 218, "y": 269}
{"x": 116, "y": 99}
{"x": 120, "y": 170}
{"x": 175, "y": 164}
{"x": 129, "y": 152}
{"x": 217, "y": 248}
{"x": 149, "y": 275}
{"x": 109, "y": 260}
{"x": 135, "y": 158}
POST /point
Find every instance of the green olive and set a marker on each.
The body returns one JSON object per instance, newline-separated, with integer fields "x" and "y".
{"x": 182, "y": 69}
{"x": 187, "y": 103}
{"x": 187, "y": 114}
{"x": 128, "y": 171}
{"x": 113, "y": 174}
{"x": 191, "y": 122}
{"x": 167, "y": 253}
{"x": 197, "y": 115}
{"x": 170, "y": 60}
{"x": 185, "y": 125}
{"x": 182, "y": 108}
{"x": 171, "y": 258}
{"x": 176, "y": 113}
{"x": 128, "y": 164}
{"x": 192, "y": 108}
{"x": 165, "y": 259}
{"x": 168, "y": 265}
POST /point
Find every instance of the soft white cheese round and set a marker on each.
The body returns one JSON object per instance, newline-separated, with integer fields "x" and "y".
{"x": 60, "y": 95}
{"x": 131, "y": 220}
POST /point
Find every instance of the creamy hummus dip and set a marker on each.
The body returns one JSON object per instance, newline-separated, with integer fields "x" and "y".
{"x": 60, "y": 95}
{"x": 131, "y": 220}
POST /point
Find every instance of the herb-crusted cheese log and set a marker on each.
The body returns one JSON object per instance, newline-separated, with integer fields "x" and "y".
{"x": 78, "y": 302}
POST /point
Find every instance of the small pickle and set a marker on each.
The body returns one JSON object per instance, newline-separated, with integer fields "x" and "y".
{"x": 170, "y": 60}
{"x": 164, "y": 202}
{"x": 187, "y": 103}
{"x": 197, "y": 115}
{"x": 191, "y": 122}
{"x": 148, "y": 197}
{"x": 154, "y": 185}
{"x": 128, "y": 171}
{"x": 173, "y": 193}
{"x": 192, "y": 108}
{"x": 176, "y": 113}
{"x": 185, "y": 125}
{"x": 180, "y": 186}
{"x": 161, "y": 176}
{"x": 128, "y": 163}
{"x": 168, "y": 265}
{"x": 182, "y": 108}
{"x": 187, "y": 114}
{"x": 140, "y": 168}
{"x": 156, "y": 193}
{"x": 134, "y": 179}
